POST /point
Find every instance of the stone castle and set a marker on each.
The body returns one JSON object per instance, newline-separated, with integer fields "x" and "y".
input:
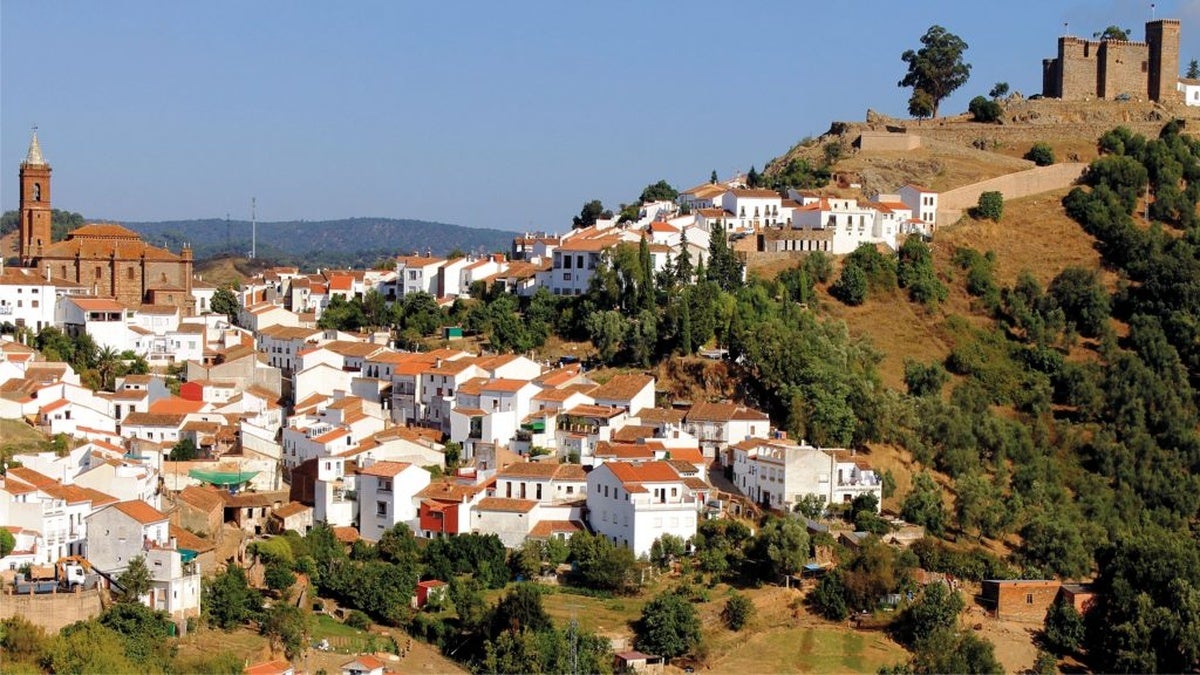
{"x": 1106, "y": 69}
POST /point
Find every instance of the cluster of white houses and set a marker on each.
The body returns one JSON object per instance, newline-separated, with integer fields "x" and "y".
{"x": 294, "y": 424}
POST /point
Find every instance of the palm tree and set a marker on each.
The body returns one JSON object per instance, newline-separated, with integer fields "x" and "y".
{"x": 107, "y": 360}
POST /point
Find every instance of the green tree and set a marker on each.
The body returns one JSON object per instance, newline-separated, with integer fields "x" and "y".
{"x": 135, "y": 581}
{"x": 937, "y": 68}
{"x": 738, "y": 611}
{"x": 1113, "y": 33}
{"x": 712, "y": 178}
{"x": 949, "y": 651}
{"x": 88, "y": 647}
{"x": 287, "y": 627}
{"x": 660, "y": 191}
{"x": 228, "y": 599}
{"x": 921, "y": 104}
{"x": 923, "y": 504}
{"x": 723, "y": 265}
{"x": 590, "y": 213}
{"x": 7, "y": 542}
{"x": 1041, "y": 154}
{"x": 520, "y": 609}
{"x": 225, "y": 301}
{"x": 924, "y": 380}
{"x": 279, "y": 577}
{"x": 1063, "y": 630}
{"x": 936, "y": 609}
{"x": 668, "y": 627}
{"x": 606, "y": 330}
{"x": 666, "y": 549}
{"x": 183, "y": 451}
{"x": 144, "y": 633}
{"x": 782, "y": 545}
{"x": 990, "y": 206}
{"x": 1000, "y": 90}
{"x": 851, "y": 286}
{"x": 21, "y": 639}
{"x": 984, "y": 110}
{"x": 829, "y": 597}
{"x": 1083, "y": 299}
{"x": 1193, "y": 70}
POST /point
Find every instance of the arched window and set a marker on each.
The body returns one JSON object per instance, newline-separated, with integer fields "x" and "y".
{"x": 37, "y": 192}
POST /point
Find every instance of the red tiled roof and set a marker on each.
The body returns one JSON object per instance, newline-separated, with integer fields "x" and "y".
{"x": 646, "y": 472}
{"x": 141, "y": 512}
{"x": 504, "y": 504}
{"x": 546, "y": 528}
{"x": 384, "y": 469}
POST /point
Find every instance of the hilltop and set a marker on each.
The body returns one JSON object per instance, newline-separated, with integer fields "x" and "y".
{"x": 1035, "y": 235}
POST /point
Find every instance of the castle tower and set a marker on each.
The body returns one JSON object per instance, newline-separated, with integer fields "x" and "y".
{"x": 34, "y": 203}
{"x": 1163, "y": 38}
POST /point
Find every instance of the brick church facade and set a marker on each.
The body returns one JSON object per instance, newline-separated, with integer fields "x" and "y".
{"x": 111, "y": 260}
{"x": 1106, "y": 69}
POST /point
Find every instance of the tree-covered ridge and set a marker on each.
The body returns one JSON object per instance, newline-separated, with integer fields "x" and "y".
{"x": 351, "y": 242}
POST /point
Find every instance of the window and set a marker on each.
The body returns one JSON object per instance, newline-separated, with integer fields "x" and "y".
{"x": 567, "y": 262}
{"x": 381, "y": 508}
{"x": 99, "y": 272}
{"x": 1029, "y": 598}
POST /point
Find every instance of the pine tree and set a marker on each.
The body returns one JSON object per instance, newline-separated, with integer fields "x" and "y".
{"x": 713, "y": 177}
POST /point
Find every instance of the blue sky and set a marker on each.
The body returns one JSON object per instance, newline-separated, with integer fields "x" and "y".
{"x": 485, "y": 114}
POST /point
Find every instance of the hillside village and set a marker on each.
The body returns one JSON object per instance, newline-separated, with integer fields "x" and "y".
{"x": 212, "y": 429}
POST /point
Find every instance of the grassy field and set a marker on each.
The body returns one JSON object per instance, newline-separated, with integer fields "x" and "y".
{"x": 809, "y": 649}
{"x": 605, "y": 617}
{"x": 17, "y": 437}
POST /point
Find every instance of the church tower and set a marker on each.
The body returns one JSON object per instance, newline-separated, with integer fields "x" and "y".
{"x": 35, "y": 203}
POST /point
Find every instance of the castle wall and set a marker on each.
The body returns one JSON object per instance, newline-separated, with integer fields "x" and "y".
{"x": 1077, "y": 65}
{"x": 1123, "y": 69}
{"x": 1163, "y": 37}
{"x": 884, "y": 141}
{"x": 1050, "y": 78}
{"x": 1087, "y": 69}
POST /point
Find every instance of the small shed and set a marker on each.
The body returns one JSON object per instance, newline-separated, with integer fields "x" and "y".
{"x": 452, "y": 333}
{"x": 637, "y": 662}
{"x": 427, "y": 590}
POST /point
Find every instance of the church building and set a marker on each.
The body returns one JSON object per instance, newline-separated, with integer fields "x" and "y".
{"x": 108, "y": 259}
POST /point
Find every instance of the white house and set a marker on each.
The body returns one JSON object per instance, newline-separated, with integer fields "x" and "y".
{"x": 28, "y": 298}
{"x": 123, "y": 531}
{"x": 386, "y": 492}
{"x": 634, "y": 392}
{"x": 778, "y": 473}
{"x": 924, "y": 202}
{"x": 634, "y": 504}
{"x": 418, "y": 274}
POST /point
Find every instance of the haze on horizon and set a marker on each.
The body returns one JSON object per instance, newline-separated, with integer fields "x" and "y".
{"x": 478, "y": 114}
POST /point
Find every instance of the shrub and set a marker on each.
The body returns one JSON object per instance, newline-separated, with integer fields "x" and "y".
{"x": 738, "y": 610}
{"x": 984, "y": 110}
{"x": 358, "y": 620}
{"x": 991, "y": 206}
{"x": 851, "y": 286}
{"x": 1041, "y": 154}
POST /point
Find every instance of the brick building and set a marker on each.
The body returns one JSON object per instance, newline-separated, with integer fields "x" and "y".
{"x": 1088, "y": 69}
{"x": 1020, "y": 599}
{"x": 109, "y": 259}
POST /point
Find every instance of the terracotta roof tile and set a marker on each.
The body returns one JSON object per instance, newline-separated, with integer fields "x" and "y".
{"x": 141, "y": 512}
{"x": 507, "y": 505}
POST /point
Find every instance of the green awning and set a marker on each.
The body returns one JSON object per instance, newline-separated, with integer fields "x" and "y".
{"x": 222, "y": 477}
{"x": 187, "y": 555}
{"x": 536, "y": 425}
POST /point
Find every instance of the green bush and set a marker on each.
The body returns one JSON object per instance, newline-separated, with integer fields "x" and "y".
{"x": 991, "y": 206}
{"x": 1041, "y": 154}
{"x": 984, "y": 110}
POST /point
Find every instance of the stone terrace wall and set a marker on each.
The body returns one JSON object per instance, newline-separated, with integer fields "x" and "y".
{"x": 1013, "y": 186}
{"x": 52, "y": 611}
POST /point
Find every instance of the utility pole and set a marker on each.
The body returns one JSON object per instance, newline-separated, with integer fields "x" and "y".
{"x": 253, "y": 228}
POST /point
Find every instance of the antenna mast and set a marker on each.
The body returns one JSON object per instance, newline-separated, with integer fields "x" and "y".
{"x": 253, "y": 228}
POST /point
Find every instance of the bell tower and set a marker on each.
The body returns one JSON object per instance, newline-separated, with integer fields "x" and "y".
{"x": 34, "y": 203}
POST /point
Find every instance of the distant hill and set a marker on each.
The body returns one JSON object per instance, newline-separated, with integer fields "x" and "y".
{"x": 353, "y": 242}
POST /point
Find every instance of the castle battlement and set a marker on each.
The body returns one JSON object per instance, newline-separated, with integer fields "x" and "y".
{"x": 1106, "y": 69}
